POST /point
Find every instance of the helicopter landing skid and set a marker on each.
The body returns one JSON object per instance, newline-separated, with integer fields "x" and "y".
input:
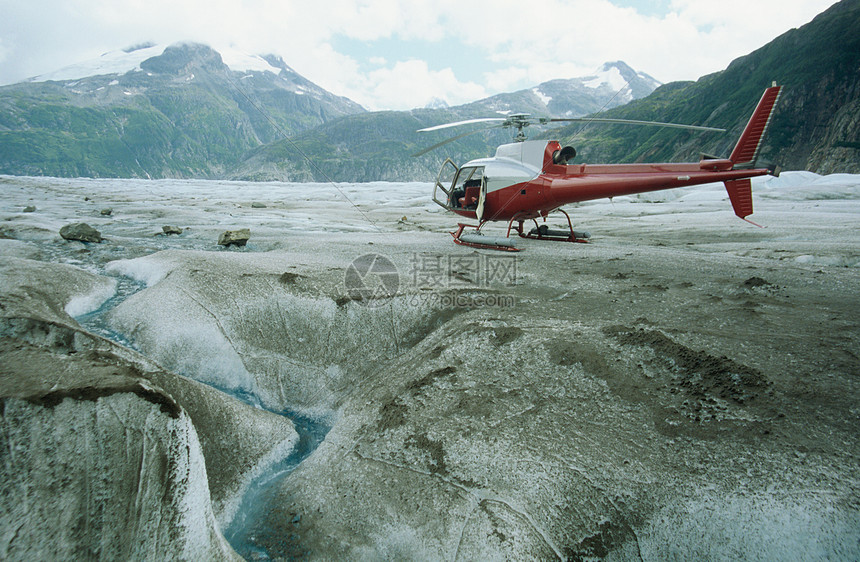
{"x": 543, "y": 232}
{"x": 478, "y": 240}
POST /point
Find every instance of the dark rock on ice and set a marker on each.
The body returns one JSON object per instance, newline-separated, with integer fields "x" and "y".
{"x": 81, "y": 231}
{"x": 755, "y": 282}
{"x": 238, "y": 237}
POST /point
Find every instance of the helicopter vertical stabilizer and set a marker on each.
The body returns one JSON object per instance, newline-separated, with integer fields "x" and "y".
{"x": 746, "y": 150}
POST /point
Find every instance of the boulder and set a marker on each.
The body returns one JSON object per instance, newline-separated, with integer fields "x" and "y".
{"x": 238, "y": 237}
{"x": 81, "y": 231}
{"x": 171, "y": 230}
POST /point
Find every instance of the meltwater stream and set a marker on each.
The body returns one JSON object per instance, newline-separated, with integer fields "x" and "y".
{"x": 249, "y": 521}
{"x": 245, "y": 528}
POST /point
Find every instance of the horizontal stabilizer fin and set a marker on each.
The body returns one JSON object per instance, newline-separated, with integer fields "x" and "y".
{"x": 740, "y": 193}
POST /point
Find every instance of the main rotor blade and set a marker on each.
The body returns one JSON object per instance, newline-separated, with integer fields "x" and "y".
{"x": 636, "y": 122}
{"x": 458, "y": 123}
{"x": 452, "y": 139}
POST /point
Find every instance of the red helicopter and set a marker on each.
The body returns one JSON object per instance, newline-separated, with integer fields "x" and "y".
{"x": 527, "y": 180}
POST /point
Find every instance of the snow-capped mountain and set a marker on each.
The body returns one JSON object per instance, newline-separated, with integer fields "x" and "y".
{"x": 179, "y": 110}
{"x": 147, "y": 57}
{"x": 436, "y": 103}
{"x": 614, "y": 84}
{"x": 112, "y": 62}
{"x": 188, "y": 110}
{"x": 130, "y": 59}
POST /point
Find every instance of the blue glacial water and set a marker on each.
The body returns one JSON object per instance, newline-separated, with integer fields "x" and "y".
{"x": 251, "y": 518}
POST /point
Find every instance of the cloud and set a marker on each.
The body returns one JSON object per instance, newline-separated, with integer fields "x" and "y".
{"x": 510, "y": 45}
{"x": 690, "y": 40}
{"x": 412, "y": 83}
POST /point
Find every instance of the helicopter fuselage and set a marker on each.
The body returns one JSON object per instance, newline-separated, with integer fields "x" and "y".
{"x": 530, "y": 179}
{"x": 522, "y": 181}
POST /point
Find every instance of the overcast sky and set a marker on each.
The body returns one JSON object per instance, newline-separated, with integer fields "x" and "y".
{"x": 399, "y": 54}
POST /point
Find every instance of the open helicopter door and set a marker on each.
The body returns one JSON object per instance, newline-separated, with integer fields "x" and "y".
{"x": 482, "y": 197}
{"x": 446, "y": 176}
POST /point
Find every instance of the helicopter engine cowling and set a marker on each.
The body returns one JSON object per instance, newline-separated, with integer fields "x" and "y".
{"x": 562, "y": 156}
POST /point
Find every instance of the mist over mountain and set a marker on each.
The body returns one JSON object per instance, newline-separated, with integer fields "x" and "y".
{"x": 186, "y": 110}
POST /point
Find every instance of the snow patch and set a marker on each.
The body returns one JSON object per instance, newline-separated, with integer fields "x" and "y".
{"x": 112, "y": 62}
{"x": 543, "y": 97}
{"x": 611, "y": 78}
{"x": 243, "y": 62}
{"x": 123, "y": 61}
{"x": 808, "y": 186}
{"x": 830, "y": 261}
